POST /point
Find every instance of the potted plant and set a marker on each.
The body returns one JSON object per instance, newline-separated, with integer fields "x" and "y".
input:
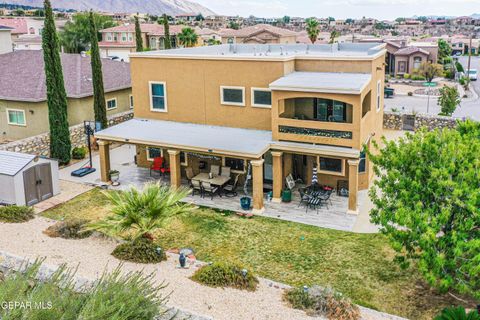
{"x": 114, "y": 177}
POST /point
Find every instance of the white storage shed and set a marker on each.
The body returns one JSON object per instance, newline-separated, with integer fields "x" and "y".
{"x": 27, "y": 179}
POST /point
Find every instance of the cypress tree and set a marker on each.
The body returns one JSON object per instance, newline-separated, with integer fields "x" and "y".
{"x": 166, "y": 27}
{"x": 60, "y": 145}
{"x": 138, "y": 35}
{"x": 99, "y": 106}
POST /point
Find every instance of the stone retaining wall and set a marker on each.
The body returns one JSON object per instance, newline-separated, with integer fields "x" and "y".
{"x": 396, "y": 121}
{"x": 40, "y": 144}
{"x": 11, "y": 263}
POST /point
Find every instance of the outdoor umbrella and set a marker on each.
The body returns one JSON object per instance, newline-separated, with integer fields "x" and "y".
{"x": 314, "y": 176}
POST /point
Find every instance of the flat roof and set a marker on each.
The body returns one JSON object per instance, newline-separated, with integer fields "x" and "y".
{"x": 324, "y": 82}
{"x": 282, "y": 52}
{"x": 242, "y": 143}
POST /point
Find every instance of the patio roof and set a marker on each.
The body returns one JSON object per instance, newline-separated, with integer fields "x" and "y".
{"x": 323, "y": 82}
{"x": 244, "y": 143}
{"x": 189, "y": 136}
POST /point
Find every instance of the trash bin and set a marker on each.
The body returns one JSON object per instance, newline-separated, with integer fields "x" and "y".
{"x": 245, "y": 203}
{"x": 287, "y": 195}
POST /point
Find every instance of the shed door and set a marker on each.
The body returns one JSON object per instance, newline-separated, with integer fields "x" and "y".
{"x": 30, "y": 186}
{"x": 38, "y": 183}
{"x": 44, "y": 181}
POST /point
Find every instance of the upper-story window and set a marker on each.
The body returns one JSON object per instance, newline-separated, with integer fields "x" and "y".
{"x": 379, "y": 92}
{"x": 109, "y": 36}
{"x": 417, "y": 61}
{"x": 234, "y": 96}
{"x": 16, "y": 117}
{"x": 124, "y": 37}
{"x": 333, "y": 111}
{"x": 362, "y": 166}
{"x": 261, "y": 97}
{"x": 130, "y": 37}
{"x": 158, "y": 96}
{"x": 115, "y": 36}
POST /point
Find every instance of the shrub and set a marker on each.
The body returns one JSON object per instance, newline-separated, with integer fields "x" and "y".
{"x": 317, "y": 301}
{"x": 406, "y": 76}
{"x": 140, "y": 250}
{"x": 79, "y": 153}
{"x": 457, "y": 313}
{"x": 459, "y": 67}
{"x": 417, "y": 77}
{"x": 223, "y": 274}
{"x": 16, "y": 214}
{"x": 410, "y": 93}
{"x": 69, "y": 229}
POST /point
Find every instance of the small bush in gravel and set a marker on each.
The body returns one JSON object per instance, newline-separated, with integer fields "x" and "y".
{"x": 317, "y": 301}
{"x": 69, "y": 229}
{"x": 140, "y": 250}
{"x": 16, "y": 214}
{"x": 223, "y": 274}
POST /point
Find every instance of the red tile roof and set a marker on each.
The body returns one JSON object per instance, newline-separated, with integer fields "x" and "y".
{"x": 253, "y": 30}
{"x": 24, "y": 70}
{"x": 19, "y": 25}
{"x": 149, "y": 28}
{"x": 410, "y": 50}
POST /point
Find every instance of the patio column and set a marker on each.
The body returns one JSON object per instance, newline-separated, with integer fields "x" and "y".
{"x": 257, "y": 181}
{"x": 175, "y": 173}
{"x": 104, "y": 152}
{"x": 277, "y": 175}
{"x": 287, "y": 164}
{"x": 352, "y": 186}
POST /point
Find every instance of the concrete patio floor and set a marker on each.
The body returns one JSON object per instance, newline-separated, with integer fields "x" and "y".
{"x": 335, "y": 217}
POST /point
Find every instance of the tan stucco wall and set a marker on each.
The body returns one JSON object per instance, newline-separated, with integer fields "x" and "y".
{"x": 5, "y": 41}
{"x": 36, "y": 114}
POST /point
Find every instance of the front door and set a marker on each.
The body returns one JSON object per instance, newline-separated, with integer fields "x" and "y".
{"x": 38, "y": 183}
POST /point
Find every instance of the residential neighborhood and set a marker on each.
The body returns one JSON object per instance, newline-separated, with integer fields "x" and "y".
{"x": 223, "y": 160}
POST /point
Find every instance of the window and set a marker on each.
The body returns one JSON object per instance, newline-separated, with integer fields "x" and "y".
{"x": 153, "y": 153}
{"x": 16, "y": 117}
{"x": 158, "y": 96}
{"x": 130, "y": 37}
{"x": 261, "y": 98}
{"x": 112, "y": 104}
{"x": 235, "y": 164}
{"x": 234, "y": 96}
{"x": 333, "y": 111}
{"x": 362, "y": 166}
{"x": 153, "y": 43}
{"x": 379, "y": 90}
{"x": 124, "y": 37}
{"x": 109, "y": 36}
{"x": 417, "y": 61}
{"x": 331, "y": 166}
{"x": 183, "y": 159}
{"x": 115, "y": 37}
{"x": 230, "y": 40}
{"x": 130, "y": 99}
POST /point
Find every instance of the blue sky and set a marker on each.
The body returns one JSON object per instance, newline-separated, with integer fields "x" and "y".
{"x": 383, "y": 9}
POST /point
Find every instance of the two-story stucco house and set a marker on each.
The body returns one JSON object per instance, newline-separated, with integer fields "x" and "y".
{"x": 280, "y": 109}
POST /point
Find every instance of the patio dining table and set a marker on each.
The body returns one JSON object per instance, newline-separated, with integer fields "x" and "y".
{"x": 216, "y": 180}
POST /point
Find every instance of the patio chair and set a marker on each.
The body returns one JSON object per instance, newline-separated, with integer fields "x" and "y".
{"x": 215, "y": 170}
{"x": 159, "y": 166}
{"x": 325, "y": 197}
{"x": 189, "y": 173}
{"x": 207, "y": 187}
{"x": 226, "y": 171}
{"x": 196, "y": 186}
{"x": 304, "y": 197}
{"x": 230, "y": 188}
{"x": 314, "y": 203}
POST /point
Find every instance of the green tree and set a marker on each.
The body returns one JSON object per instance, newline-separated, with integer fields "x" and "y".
{"x": 458, "y": 313}
{"x": 99, "y": 107}
{"x": 75, "y": 37}
{"x": 286, "y": 20}
{"x": 60, "y": 145}
{"x": 138, "y": 35}
{"x": 199, "y": 17}
{"x": 449, "y": 100}
{"x": 426, "y": 199}
{"x": 349, "y": 21}
{"x": 187, "y": 37}
{"x": 233, "y": 25}
{"x": 430, "y": 70}
{"x": 444, "y": 50}
{"x": 333, "y": 36}
{"x": 137, "y": 213}
{"x": 164, "y": 20}
{"x": 312, "y": 29}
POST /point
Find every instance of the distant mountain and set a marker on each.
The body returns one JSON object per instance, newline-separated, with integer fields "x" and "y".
{"x": 475, "y": 16}
{"x": 155, "y": 7}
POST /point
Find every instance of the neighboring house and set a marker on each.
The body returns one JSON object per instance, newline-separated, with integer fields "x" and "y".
{"x": 120, "y": 41}
{"x": 23, "y": 105}
{"x": 28, "y": 42}
{"x": 5, "y": 39}
{"x": 19, "y": 26}
{"x": 281, "y": 109}
{"x": 259, "y": 34}
{"x": 208, "y": 36}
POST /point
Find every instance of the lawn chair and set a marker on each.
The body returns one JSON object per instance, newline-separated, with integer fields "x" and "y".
{"x": 229, "y": 189}
{"x": 325, "y": 198}
{"x": 207, "y": 187}
{"x": 159, "y": 166}
{"x": 304, "y": 197}
{"x": 226, "y": 171}
{"x": 196, "y": 186}
{"x": 215, "y": 170}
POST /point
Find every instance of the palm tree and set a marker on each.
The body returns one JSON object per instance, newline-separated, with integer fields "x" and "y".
{"x": 139, "y": 212}
{"x": 333, "y": 35}
{"x": 312, "y": 29}
{"x": 187, "y": 37}
{"x": 457, "y": 313}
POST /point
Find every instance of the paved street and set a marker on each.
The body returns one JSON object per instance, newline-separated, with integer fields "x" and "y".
{"x": 470, "y": 108}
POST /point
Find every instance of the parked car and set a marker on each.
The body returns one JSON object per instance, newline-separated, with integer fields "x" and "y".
{"x": 472, "y": 74}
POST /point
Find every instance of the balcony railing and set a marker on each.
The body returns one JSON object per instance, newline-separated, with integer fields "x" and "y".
{"x": 316, "y": 132}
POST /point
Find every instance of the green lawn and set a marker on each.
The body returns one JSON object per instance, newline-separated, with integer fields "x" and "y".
{"x": 359, "y": 265}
